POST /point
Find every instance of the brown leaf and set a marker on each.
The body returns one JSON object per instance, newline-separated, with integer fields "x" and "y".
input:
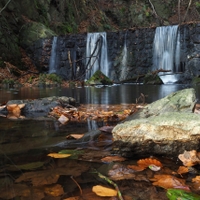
{"x": 113, "y": 158}
{"x": 182, "y": 170}
{"x": 169, "y": 181}
{"x": 189, "y": 158}
{"x": 104, "y": 191}
{"x": 63, "y": 119}
{"x": 136, "y": 167}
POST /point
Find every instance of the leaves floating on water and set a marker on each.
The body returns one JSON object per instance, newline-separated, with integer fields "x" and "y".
{"x": 104, "y": 191}
{"x": 74, "y": 136}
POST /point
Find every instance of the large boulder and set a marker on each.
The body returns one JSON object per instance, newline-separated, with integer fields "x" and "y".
{"x": 166, "y": 127}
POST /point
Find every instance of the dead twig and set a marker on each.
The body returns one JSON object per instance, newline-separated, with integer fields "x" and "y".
{"x": 5, "y": 6}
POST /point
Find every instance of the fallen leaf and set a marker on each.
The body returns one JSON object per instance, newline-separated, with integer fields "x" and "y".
{"x": 169, "y": 181}
{"x": 113, "y": 158}
{"x": 189, "y": 158}
{"x": 196, "y": 179}
{"x": 142, "y": 164}
{"x": 182, "y": 170}
{"x": 74, "y": 136}
{"x": 104, "y": 191}
{"x": 59, "y": 155}
{"x": 63, "y": 120}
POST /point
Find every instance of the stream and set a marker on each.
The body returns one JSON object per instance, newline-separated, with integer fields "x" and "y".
{"x": 26, "y": 170}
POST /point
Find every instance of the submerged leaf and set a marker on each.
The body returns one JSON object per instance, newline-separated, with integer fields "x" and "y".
{"x": 58, "y": 155}
{"x": 104, "y": 191}
{"x": 113, "y": 158}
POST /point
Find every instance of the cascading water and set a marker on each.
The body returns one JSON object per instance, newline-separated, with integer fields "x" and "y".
{"x": 124, "y": 59}
{"x": 166, "y": 51}
{"x": 53, "y": 59}
{"x": 96, "y": 54}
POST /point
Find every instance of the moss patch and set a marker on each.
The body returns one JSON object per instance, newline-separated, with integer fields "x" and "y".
{"x": 99, "y": 78}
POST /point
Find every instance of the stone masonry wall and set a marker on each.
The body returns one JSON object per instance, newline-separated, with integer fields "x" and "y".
{"x": 71, "y": 53}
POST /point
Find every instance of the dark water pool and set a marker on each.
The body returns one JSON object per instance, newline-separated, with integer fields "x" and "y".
{"x": 26, "y": 172}
{"x": 117, "y": 94}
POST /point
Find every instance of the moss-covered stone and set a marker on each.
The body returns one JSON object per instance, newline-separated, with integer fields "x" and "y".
{"x": 99, "y": 78}
{"x": 152, "y": 79}
{"x": 34, "y": 31}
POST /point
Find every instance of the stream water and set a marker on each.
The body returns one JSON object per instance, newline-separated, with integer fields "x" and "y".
{"x": 26, "y": 172}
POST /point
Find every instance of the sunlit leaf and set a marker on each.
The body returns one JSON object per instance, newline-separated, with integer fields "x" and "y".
{"x": 182, "y": 170}
{"x": 63, "y": 119}
{"x": 178, "y": 194}
{"x": 169, "y": 181}
{"x": 196, "y": 179}
{"x": 74, "y": 136}
{"x": 189, "y": 158}
{"x": 113, "y": 158}
{"x": 58, "y": 155}
{"x": 104, "y": 191}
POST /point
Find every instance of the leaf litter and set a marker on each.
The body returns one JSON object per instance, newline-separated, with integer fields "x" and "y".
{"x": 153, "y": 173}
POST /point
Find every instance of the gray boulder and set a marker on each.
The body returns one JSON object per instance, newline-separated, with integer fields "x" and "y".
{"x": 166, "y": 127}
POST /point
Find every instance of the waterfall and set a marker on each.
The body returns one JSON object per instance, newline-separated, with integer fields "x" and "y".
{"x": 96, "y": 54}
{"x": 124, "y": 59}
{"x": 52, "y": 62}
{"x": 166, "y": 49}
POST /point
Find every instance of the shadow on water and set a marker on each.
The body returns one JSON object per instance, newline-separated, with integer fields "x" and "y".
{"x": 26, "y": 172}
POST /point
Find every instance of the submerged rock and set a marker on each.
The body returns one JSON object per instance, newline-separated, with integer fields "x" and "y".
{"x": 166, "y": 127}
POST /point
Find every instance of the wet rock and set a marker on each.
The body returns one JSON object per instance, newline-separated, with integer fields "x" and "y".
{"x": 166, "y": 127}
{"x": 43, "y": 106}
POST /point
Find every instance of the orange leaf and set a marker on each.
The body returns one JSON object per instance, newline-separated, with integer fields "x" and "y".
{"x": 137, "y": 168}
{"x": 196, "y": 179}
{"x": 168, "y": 181}
{"x": 104, "y": 191}
{"x": 59, "y": 155}
{"x": 149, "y": 161}
{"x": 182, "y": 170}
{"x": 113, "y": 158}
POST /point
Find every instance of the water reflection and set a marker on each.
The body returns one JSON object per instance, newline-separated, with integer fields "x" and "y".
{"x": 117, "y": 94}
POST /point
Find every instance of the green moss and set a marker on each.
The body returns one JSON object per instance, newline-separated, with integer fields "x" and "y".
{"x": 34, "y": 31}
{"x": 152, "y": 79}
{"x": 196, "y": 80}
{"x": 99, "y": 78}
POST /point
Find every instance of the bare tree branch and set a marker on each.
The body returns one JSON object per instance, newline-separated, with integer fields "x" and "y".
{"x": 179, "y": 15}
{"x": 5, "y": 6}
{"x": 189, "y": 4}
